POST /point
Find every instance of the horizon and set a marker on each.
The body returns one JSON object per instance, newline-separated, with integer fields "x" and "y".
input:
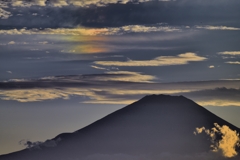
{"x": 67, "y": 63}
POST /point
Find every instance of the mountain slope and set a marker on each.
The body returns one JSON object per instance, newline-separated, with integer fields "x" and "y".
{"x": 153, "y": 125}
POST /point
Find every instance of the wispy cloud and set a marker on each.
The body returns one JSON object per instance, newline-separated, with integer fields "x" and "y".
{"x": 61, "y": 3}
{"x": 127, "y": 76}
{"x": 230, "y": 53}
{"x": 231, "y": 62}
{"x": 218, "y": 28}
{"x": 101, "y": 68}
{"x": 216, "y": 96}
{"x": 180, "y": 59}
{"x": 44, "y": 42}
{"x": 92, "y": 31}
{"x": 121, "y": 87}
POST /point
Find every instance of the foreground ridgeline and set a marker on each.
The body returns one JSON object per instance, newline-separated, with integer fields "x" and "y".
{"x": 155, "y": 127}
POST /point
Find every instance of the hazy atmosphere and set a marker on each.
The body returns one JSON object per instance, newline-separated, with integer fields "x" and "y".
{"x": 66, "y": 63}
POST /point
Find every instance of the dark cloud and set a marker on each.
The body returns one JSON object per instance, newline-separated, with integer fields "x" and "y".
{"x": 179, "y": 12}
{"x": 39, "y": 145}
{"x": 216, "y": 97}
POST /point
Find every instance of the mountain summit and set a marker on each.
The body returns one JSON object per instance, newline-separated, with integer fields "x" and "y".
{"x": 153, "y": 125}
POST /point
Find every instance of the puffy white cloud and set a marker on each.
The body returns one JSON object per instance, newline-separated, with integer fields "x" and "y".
{"x": 228, "y": 142}
{"x": 212, "y": 66}
{"x": 180, "y": 59}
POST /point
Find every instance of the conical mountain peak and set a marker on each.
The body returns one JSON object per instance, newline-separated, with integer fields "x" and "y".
{"x": 155, "y": 124}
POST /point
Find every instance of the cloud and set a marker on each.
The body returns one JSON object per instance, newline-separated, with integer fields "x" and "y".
{"x": 68, "y": 51}
{"x": 228, "y": 142}
{"x": 34, "y": 95}
{"x": 126, "y": 76}
{"x": 230, "y": 53}
{"x": 11, "y": 42}
{"x": 122, "y": 87}
{"x": 42, "y": 3}
{"x": 91, "y": 31}
{"x": 180, "y": 59}
{"x": 218, "y": 28}
{"x": 44, "y": 42}
{"x": 25, "y": 3}
{"x": 10, "y": 72}
{"x": 61, "y": 3}
{"x": 39, "y": 145}
{"x": 230, "y": 62}
{"x": 4, "y": 14}
{"x": 220, "y": 97}
{"x": 212, "y": 66}
{"x": 101, "y": 68}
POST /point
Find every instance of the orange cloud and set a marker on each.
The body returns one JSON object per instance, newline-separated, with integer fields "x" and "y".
{"x": 226, "y": 146}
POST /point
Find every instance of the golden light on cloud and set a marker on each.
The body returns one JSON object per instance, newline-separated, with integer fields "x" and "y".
{"x": 33, "y": 95}
{"x": 219, "y": 103}
{"x": 128, "y": 76}
{"x": 180, "y": 59}
{"x": 226, "y": 145}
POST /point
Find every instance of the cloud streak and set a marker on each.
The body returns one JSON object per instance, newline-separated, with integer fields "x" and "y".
{"x": 234, "y": 53}
{"x": 231, "y": 62}
{"x": 92, "y": 31}
{"x": 118, "y": 87}
{"x": 218, "y": 28}
{"x": 61, "y": 3}
{"x": 180, "y": 59}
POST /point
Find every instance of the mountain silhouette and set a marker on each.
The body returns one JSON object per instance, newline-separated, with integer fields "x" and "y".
{"x": 153, "y": 125}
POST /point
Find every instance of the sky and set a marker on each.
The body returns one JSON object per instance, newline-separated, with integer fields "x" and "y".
{"x": 66, "y": 63}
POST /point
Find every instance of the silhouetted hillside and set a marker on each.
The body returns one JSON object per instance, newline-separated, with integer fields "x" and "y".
{"x": 153, "y": 125}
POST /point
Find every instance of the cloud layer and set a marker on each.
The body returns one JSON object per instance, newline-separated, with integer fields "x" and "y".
{"x": 118, "y": 87}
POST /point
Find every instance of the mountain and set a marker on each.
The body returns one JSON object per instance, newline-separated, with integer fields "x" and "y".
{"x": 152, "y": 126}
